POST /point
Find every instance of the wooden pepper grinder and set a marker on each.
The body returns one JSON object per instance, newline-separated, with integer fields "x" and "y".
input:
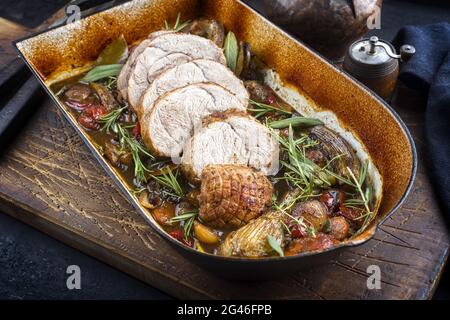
{"x": 375, "y": 63}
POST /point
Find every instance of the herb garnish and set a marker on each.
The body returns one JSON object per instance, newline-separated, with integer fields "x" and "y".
{"x": 275, "y": 245}
{"x": 295, "y": 122}
{"x": 169, "y": 180}
{"x": 231, "y": 50}
{"x": 109, "y": 120}
{"x": 262, "y": 109}
{"x": 187, "y": 218}
{"x": 136, "y": 149}
{"x": 100, "y": 72}
{"x": 178, "y": 26}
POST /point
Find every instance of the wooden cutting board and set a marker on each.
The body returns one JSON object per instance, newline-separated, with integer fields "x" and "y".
{"x": 49, "y": 180}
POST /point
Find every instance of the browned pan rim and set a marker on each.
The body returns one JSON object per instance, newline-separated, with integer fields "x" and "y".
{"x": 122, "y": 187}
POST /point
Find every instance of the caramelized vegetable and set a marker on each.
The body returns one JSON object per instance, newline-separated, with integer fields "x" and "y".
{"x": 354, "y": 216}
{"x": 337, "y": 150}
{"x": 164, "y": 213}
{"x": 251, "y": 239}
{"x": 313, "y": 212}
{"x": 205, "y": 234}
{"x": 332, "y": 198}
{"x": 320, "y": 242}
{"x": 106, "y": 97}
{"x": 339, "y": 228}
{"x": 260, "y": 92}
{"x": 91, "y": 115}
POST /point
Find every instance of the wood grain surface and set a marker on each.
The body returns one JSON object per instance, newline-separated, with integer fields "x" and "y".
{"x": 49, "y": 179}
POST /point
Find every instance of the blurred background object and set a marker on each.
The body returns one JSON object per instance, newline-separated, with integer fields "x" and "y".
{"x": 328, "y": 26}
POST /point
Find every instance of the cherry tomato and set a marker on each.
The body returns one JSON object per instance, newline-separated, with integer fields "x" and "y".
{"x": 137, "y": 130}
{"x": 354, "y": 216}
{"x": 177, "y": 234}
{"x": 90, "y": 116}
{"x": 298, "y": 231}
{"x": 332, "y": 198}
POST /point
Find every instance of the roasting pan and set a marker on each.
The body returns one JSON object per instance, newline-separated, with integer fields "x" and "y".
{"x": 372, "y": 121}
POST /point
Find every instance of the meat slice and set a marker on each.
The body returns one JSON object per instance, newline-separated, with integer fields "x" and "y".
{"x": 233, "y": 195}
{"x": 122, "y": 79}
{"x": 230, "y": 138}
{"x": 196, "y": 71}
{"x": 165, "y": 52}
{"x": 167, "y": 127}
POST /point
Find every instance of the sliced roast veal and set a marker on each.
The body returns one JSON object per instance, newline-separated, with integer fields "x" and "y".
{"x": 167, "y": 127}
{"x": 230, "y": 138}
{"x": 165, "y": 52}
{"x": 196, "y": 71}
{"x": 122, "y": 79}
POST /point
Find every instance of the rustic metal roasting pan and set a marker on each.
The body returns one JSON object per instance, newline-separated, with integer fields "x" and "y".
{"x": 384, "y": 135}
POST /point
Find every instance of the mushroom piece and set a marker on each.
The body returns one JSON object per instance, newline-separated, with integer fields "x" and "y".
{"x": 210, "y": 29}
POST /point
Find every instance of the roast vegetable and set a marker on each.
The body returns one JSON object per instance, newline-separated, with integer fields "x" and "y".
{"x": 313, "y": 212}
{"x": 251, "y": 240}
{"x": 336, "y": 150}
{"x": 205, "y": 234}
{"x": 339, "y": 228}
{"x": 318, "y": 243}
{"x": 106, "y": 97}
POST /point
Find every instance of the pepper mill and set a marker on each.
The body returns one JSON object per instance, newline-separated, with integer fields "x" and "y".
{"x": 375, "y": 63}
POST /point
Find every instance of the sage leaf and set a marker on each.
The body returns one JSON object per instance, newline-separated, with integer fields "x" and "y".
{"x": 275, "y": 245}
{"x": 231, "y": 50}
{"x": 114, "y": 53}
{"x": 100, "y": 72}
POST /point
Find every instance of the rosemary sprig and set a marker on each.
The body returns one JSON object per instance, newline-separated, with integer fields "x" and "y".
{"x": 178, "y": 26}
{"x": 187, "y": 218}
{"x": 262, "y": 109}
{"x": 169, "y": 180}
{"x": 136, "y": 149}
{"x": 109, "y": 121}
